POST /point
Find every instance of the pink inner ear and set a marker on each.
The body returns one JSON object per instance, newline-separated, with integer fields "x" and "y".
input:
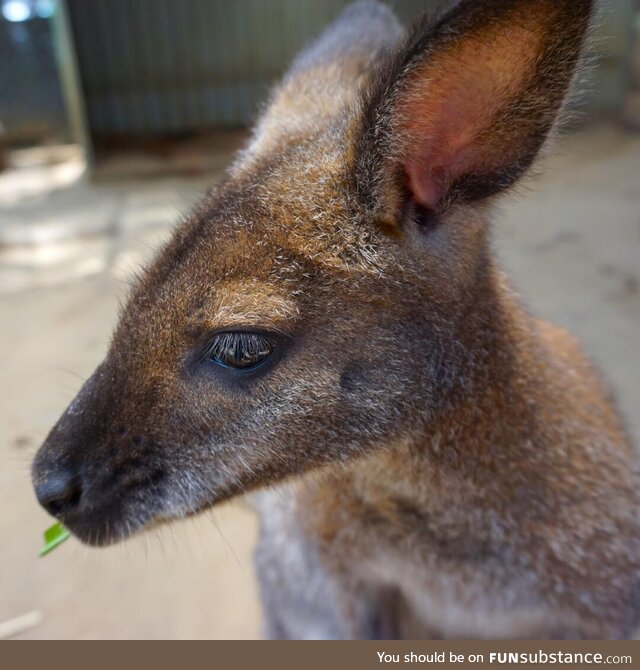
{"x": 445, "y": 153}
{"x": 426, "y": 188}
{"x": 447, "y": 115}
{"x": 443, "y": 132}
{"x": 431, "y": 176}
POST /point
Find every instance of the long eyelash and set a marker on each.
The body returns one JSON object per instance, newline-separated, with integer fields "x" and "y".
{"x": 239, "y": 346}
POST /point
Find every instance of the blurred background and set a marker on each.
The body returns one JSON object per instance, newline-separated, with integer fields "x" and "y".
{"x": 115, "y": 115}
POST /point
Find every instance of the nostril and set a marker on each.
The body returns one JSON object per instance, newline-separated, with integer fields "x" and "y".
{"x": 60, "y": 493}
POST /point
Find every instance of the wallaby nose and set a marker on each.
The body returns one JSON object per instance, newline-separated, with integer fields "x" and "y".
{"x": 60, "y": 492}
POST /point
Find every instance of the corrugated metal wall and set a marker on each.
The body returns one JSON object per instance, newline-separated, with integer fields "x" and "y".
{"x": 31, "y": 107}
{"x": 161, "y": 66}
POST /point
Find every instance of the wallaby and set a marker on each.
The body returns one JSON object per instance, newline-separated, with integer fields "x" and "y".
{"x": 329, "y": 330}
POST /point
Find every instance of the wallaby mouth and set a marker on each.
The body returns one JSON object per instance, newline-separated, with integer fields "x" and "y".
{"x": 95, "y": 504}
{"x": 103, "y": 505}
{"x": 94, "y": 474}
{"x": 105, "y": 480}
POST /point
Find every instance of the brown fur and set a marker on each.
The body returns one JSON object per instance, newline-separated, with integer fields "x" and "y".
{"x": 450, "y": 466}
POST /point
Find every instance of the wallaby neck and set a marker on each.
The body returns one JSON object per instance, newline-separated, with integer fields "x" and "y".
{"x": 482, "y": 419}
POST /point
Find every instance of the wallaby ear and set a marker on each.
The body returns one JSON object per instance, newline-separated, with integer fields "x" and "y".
{"x": 461, "y": 111}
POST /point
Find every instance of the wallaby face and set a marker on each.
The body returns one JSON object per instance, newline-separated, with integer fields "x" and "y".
{"x": 335, "y": 297}
{"x": 349, "y": 244}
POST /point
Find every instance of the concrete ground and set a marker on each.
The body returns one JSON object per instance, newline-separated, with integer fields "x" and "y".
{"x": 571, "y": 241}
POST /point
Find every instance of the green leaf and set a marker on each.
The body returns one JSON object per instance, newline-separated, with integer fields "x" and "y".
{"x": 54, "y": 536}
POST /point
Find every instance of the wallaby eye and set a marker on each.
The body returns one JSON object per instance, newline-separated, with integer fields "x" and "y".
{"x": 240, "y": 350}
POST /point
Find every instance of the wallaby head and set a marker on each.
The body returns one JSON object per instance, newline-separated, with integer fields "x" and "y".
{"x": 337, "y": 289}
